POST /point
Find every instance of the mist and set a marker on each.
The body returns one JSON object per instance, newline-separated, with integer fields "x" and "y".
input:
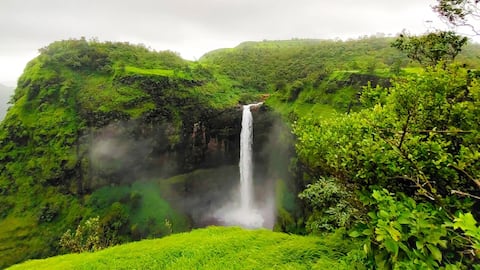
{"x": 5, "y": 94}
{"x": 126, "y": 152}
{"x": 272, "y": 151}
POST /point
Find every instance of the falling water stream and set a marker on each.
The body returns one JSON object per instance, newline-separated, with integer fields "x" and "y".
{"x": 245, "y": 164}
{"x": 245, "y": 213}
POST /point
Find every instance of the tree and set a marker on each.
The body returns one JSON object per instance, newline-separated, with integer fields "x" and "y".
{"x": 432, "y": 48}
{"x": 415, "y": 153}
{"x": 459, "y": 13}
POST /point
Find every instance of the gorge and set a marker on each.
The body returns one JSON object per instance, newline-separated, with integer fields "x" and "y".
{"x": 108, "y": 143}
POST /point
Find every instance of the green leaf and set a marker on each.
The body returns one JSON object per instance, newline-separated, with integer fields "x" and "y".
{"x": 383, "y": 214}
{"x": 442, "y": 243}
{"x": 367, "y": 232}
{"x": 465, "y": 222}
{"x": 419, "y": 244}
{"x": 436, "y": 253}
{"x": 403, "y": 219}
{"x": 391, "y": 246}
{"x": 405, "y": 248}
{"x": 354, "y": 234}
{"x": 394, "y": 233}
{"x": 379, "y": 237}
{"x": 366, "y": 248}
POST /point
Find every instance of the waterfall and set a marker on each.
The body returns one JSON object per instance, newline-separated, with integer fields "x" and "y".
{"x": 245, "y": 212}
{"x": 245, "y": 164}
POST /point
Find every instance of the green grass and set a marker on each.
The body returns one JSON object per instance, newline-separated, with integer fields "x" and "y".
{"x": 98, "y": 93}
{"x": 337, "y": 93}
{"x": 23, "y": 236}
{"x": 218, "y": 92}
{"x": 301, "y": 108}
{"x": 212, "y": 248}
{"x": 12, "y": 229}
{"x": 159, "y": 72}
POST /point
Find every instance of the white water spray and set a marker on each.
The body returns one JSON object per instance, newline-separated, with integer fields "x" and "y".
{"x": 246, "y": 214}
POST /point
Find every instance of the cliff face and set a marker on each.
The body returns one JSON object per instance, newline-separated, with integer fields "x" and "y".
{"x": 178, "y": 135}
{"x": 154, "y": 146}
{"x": 112, "y": 107}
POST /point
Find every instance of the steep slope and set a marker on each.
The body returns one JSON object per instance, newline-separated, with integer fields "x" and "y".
{"x": 214, "y": 248}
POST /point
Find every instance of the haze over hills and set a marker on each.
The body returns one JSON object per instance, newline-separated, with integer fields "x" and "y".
{"x": 5, "y": 93}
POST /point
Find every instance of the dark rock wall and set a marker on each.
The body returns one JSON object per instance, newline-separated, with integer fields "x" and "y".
{"x": 128, "y": 150}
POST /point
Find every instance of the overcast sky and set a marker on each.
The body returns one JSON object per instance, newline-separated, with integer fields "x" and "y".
{"x": 195, "y": 27}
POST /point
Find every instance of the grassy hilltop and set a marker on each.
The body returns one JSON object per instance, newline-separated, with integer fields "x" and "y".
{"x": 212, "y": 248}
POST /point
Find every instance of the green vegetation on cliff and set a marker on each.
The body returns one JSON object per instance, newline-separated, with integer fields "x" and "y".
{"x": 75, "y": 104}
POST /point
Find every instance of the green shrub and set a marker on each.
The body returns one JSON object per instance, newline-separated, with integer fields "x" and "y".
{"x": 331, "y": 205}
{"x": 87, "y": 237}
{"x": 404, "y": 233}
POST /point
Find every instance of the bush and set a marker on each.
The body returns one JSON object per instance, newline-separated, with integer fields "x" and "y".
{"x": 95, "y": 233}
{"x": 87, "y": 237}
{"x": 405, "y": 234}
{"x": 419, "y": 140}
{"x": 331, "y": 205}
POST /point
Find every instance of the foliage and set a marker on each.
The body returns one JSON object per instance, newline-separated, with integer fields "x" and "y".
{"x": 332, "y": 206}
{"x": 68, "y": 97}
{"x": 76, "y": 54}
{"x": 137, "y": 198}
{"x": 426, "y": 129}
{"x": 217, "y": 248}
{"x": 459, "y": 13}
{"x": 288, "y": 217}
{"x": 125, "y": 213}
{"x": 404, "y": 234}
{"x": 468, "y": 224}
{"x": 48, "y": 212}
{"x": 421, "y": 139}
{"x": 432, "y": 48}
{"x": 272, "y": 65}
{"x": 86, "y": 237}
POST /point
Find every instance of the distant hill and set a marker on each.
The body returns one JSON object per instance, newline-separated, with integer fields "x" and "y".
{"x": 5, "y": 93}
{"x": 272, "y": 65}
